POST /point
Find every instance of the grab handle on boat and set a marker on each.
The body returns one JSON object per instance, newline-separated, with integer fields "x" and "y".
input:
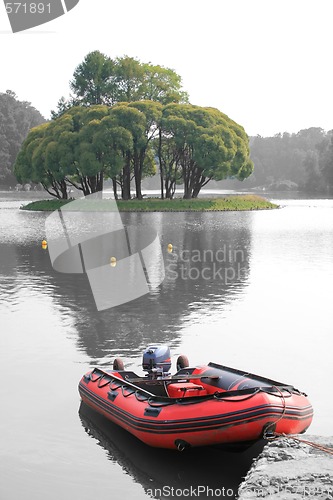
{"x": 182, "y": 445}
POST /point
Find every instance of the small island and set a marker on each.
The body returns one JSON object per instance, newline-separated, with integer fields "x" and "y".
{"x": 227, "y": 203}
{"x": 115, "y": 141}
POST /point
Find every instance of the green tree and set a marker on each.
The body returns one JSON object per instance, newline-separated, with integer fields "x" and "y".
{"x": 92, "y": 81}
{"x": 101, "y": 152}
{"x": 63, "y": 106}
{"x": 16, "y": 119}
{"x": 132, "y": 120}
{"x": 128, "y": 79}
{"x": 86, "y": 145}
{"x": 162, "y": 85}
{"x": 141, "y": 118}
{"x": 152, "y": 114}
{"x": 102, "y": 80}
{"x": 37, "y": 162}
{"x": 169, "y": 164}
{"x": 205, "y": 144}
{"x": 80, "y": 148}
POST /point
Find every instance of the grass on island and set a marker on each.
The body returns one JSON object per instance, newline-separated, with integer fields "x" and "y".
{"x": 235, "y": 202}
{"x": 227, "y": 203}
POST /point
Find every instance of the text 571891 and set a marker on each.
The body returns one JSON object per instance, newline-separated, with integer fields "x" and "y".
{"x": 28, "y": 8}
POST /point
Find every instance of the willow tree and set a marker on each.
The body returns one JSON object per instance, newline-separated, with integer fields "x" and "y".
{"x": 142, "y": 147}
{"x": 86, "y": 145}
{"x": 79, "y": 148}
{"x": 133, "y": 121}
{"x": 35, "y": 162}
{"x": 200, "y": 144}
{"x": 101, "y": 150}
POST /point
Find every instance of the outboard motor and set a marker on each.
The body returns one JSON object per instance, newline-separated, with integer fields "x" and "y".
{"x": 157, "y": 361}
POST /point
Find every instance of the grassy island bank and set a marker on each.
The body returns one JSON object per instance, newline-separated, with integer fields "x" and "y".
{"x": 227, "y": 203}
{"x": 235, "y": 202}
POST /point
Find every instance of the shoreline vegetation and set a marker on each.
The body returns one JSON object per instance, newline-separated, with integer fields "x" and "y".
{"x": 227, "y": 203}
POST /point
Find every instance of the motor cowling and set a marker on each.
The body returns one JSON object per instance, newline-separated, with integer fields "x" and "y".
{"x": 157, "y": 358}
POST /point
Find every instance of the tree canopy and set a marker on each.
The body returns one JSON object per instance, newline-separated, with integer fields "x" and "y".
{"x": 296, "y": 161}
{"x": 199, "y": 144}
{"x": 80, "y": 149}
{"x": 98, "y": 79}
{"x": 86, "y": 145}
{"x": 125, "y": 119}
{"x": 16, "y": 119}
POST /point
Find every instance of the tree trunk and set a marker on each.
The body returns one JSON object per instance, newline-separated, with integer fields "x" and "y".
{"x": 137, "y": 175}
{"x": 138, "y": 186}
{"x": 74, "y": 184}
{"x": 126, "y": 189}
{"x": 160, "y": 162}
{"x": 187, "y": 187}
{"x": 114, "y": 185}
{"x": 100, "y": 181}
{"x": 85, "y": 186}
{"x": 56, "y": 195}
{"x": 196, "y": 191}
{"x": 92, "y": 182}
{"x": 200, "y": 183}
{"x": 170, "y": 188}
{"x": 63, "y": 189}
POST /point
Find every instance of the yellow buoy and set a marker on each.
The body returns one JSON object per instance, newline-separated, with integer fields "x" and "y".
{"x": 44, "y": 244}
{"x": 113, "y": 262}
{"x": 170, "y": 247}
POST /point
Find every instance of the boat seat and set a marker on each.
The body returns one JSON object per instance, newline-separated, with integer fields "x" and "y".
{"x": 156, "y": 387}
{"x": 185, "y": 390}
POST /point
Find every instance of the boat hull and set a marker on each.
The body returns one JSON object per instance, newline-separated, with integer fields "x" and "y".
{"x": 222, "y": 417}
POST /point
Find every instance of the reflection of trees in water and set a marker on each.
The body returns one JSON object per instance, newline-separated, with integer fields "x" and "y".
{"x": 154, "y": 468}
{"x": 8, "y": 262}
{"x": 157, "y": 317}
{"x": 209, "y": 259}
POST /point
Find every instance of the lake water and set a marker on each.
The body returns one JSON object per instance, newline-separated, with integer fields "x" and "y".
{"x": 251, "y": 290}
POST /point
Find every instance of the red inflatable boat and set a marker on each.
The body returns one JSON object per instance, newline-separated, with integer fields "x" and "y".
{"x": 200, "y": 406}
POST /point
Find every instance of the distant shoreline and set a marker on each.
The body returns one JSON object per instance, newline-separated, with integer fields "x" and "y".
{"x": 222, "y": 204}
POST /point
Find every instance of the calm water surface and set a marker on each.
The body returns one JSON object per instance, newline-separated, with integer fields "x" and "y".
{"x": 250, "y": 289}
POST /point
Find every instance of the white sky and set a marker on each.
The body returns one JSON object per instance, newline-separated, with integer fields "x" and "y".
{"x": 265, "y": 63}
